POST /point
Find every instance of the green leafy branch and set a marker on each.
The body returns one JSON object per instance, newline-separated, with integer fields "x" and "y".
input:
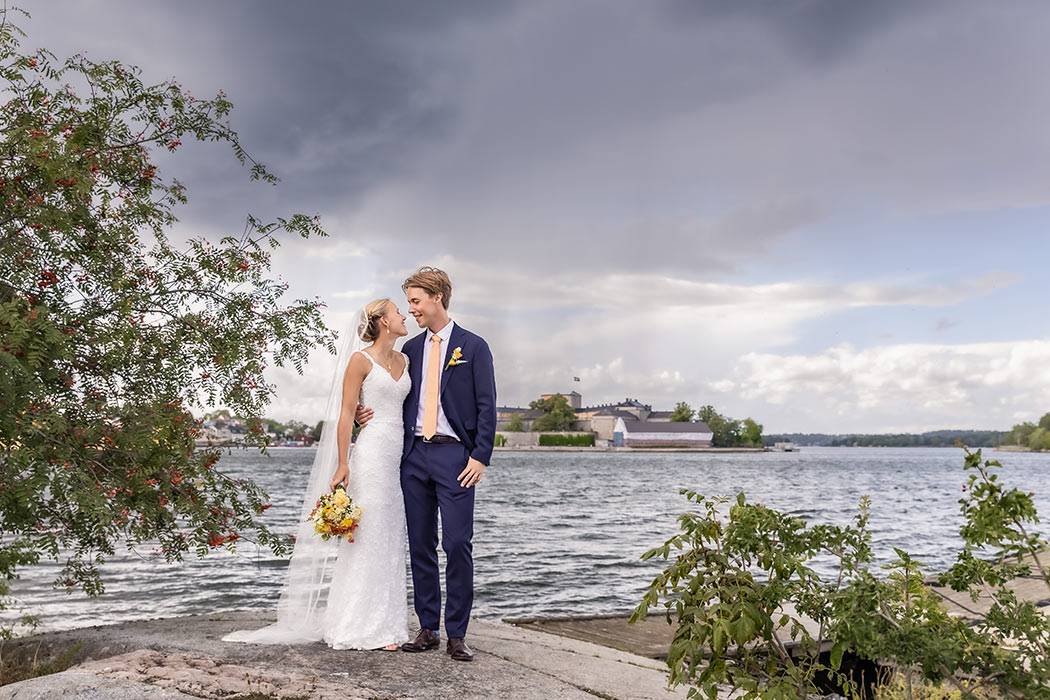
{"x": 739, "y": 584}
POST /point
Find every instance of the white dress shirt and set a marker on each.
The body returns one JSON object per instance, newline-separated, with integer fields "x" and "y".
{"x": 443, "y": 427}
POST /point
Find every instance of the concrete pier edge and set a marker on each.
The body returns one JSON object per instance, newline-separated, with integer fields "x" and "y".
{"x": 175, "y": 658}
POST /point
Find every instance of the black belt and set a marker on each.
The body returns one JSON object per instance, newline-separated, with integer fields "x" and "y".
{"x": 437, "y": 440}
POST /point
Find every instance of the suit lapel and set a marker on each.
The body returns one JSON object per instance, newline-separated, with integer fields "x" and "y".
{"x": 454, "y": 341}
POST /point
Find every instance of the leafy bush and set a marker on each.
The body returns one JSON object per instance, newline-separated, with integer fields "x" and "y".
{"x": 501, "y": 440}
{"x": 585, "y": 440}
{"x": 743, "y": 570}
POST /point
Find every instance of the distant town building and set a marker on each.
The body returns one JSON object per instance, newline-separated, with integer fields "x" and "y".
{"x": 603, "y": 422}
{"x": 635, "y": 407}
{"x": 640, "y": 433}
{"x": 600, "y": 420}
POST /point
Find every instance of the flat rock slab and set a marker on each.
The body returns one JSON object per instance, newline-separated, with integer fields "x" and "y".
{"x": 75, "y": 685}
{"x": 187, "y": 657}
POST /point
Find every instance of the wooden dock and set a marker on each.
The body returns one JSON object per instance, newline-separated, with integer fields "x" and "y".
{"x": 1031, "y": 587}
{"x": 652, "y": 637}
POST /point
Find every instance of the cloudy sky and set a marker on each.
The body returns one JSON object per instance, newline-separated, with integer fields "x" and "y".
{"x": 829, "y": 216}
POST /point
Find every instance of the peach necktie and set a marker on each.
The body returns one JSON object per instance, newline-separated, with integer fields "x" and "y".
{"x": 430, "y": 403}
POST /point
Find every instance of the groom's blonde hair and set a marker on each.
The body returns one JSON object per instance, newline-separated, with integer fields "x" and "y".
{"x": 432, "y": 281}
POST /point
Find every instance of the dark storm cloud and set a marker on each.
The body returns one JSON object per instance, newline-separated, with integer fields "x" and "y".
{"x": 342, "y": 89}
{"x": 588, "y": 136}
{"x": 596, "y": 137}
{"x": 818, "y": 30}
{"x": 333, "y": 97}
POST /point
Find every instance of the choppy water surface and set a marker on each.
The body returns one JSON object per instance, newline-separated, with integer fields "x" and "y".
{"x": 561, "y": 533}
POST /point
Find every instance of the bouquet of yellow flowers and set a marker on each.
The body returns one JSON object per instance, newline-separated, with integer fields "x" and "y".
{"x": 336, "y": 515}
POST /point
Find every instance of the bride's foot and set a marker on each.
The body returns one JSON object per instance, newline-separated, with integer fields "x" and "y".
{"x": 391, "y": 647}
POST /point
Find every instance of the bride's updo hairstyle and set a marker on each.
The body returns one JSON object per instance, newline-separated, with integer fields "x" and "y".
{"x": 368, "y": 328}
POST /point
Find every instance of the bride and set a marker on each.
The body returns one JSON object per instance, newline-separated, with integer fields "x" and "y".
{"x": 359, "y": 601}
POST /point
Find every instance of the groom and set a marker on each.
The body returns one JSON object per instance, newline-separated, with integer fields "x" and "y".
{"x": 450, "y": 427}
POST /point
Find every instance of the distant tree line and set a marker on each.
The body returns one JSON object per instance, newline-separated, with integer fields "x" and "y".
{"x": 726, "y": 431}
{"x": 1035, "y": 436}
{"x": 940, "y": 438}
{"x": 933, "y": 438}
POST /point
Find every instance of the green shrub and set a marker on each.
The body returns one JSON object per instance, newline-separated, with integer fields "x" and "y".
{"x": 501, "y": 440}
{"x": 737, "y": 571}
{"x": 554, "y": 440}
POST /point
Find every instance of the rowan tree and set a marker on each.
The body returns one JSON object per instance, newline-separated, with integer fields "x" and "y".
{"x": 112, "y": 334}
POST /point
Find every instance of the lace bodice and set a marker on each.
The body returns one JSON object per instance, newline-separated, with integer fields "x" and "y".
{"x": 384, "y": 395}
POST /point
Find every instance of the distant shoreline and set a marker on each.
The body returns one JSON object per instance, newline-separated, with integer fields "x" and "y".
{"x": 623, "y": 450}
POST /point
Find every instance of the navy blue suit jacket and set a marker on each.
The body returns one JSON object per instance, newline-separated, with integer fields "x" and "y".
{"x": 468, "y": 392}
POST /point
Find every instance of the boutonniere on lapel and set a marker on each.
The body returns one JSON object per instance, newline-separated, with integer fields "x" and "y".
{"x": 456, "y": 359}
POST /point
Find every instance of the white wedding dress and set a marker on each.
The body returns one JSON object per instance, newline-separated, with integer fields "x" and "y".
{"x": 367, "y": 603}
{"x": 352, "y": 595}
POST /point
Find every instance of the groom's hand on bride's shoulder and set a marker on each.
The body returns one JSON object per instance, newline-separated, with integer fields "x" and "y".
{"x": 472, "y": 474}
{"x": 363, "y": 415}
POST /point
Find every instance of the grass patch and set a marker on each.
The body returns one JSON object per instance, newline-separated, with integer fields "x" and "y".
{"x": 897, "y": 688}
{"x": 28, "y": 662}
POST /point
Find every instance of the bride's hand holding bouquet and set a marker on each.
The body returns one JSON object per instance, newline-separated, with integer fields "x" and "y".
{"x": 341, "y": 477}
{"x": 336, "y": 515}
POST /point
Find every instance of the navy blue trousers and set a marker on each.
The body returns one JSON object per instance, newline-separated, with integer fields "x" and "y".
{"x": 428, "y": 482}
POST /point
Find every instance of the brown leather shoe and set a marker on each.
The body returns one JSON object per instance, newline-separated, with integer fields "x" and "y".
{"x": 459, "y": 651}
{"x": 424, "y": 641}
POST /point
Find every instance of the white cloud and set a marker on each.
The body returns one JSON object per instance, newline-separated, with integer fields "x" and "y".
{"x": 521, "y": 290}
{"x": 331, "y": 248}
{"x": 356, "y": 294}
{"x": 903, "y": 387}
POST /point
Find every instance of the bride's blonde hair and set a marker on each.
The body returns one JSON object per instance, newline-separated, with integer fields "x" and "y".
{"x": 368, "y": 328}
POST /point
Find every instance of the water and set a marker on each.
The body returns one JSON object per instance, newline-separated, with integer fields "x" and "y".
{"x": 562, "y": 533}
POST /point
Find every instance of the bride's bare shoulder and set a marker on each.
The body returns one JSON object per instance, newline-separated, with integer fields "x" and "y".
{"x": 360, "y": 364}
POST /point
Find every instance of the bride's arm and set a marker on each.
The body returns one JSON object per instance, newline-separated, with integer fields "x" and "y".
{"x": 356, "y": 371}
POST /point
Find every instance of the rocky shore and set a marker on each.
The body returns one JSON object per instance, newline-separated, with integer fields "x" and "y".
{"x": 178, "y": 658}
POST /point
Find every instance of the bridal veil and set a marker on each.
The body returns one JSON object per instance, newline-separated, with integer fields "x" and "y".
{"x": 304, "y": 594}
